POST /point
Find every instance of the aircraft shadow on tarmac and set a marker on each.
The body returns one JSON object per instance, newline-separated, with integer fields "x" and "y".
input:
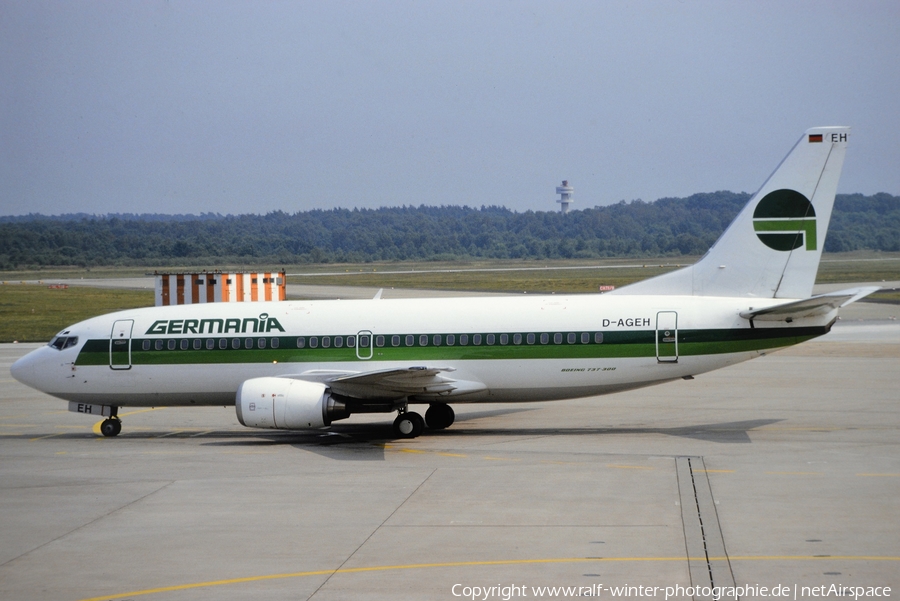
{"x": 356, "y": 442}
{"x": 367, "y": 441}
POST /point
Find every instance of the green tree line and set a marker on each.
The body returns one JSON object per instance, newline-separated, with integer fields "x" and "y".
{"x": 666, "y": 227}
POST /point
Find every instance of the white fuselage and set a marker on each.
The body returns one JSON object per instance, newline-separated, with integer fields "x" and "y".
{"x": 542, "y": 347}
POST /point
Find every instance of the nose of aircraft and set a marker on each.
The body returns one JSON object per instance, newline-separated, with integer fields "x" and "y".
{"x": 24, "y": 370}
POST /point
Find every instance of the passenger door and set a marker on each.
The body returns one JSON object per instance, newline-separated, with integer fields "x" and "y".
{"x": 667, "y": 337}
{"x": 120, "y": 344}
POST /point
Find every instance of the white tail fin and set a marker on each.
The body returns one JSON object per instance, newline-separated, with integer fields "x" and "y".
{"x": 772, "y": 248}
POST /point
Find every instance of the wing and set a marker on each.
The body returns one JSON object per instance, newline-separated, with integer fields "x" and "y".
{"x": 393, "y": 383}
{"x": 810, "y": 307}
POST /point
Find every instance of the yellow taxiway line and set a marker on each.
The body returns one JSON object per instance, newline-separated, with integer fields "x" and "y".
{"x": 501, "y": 562}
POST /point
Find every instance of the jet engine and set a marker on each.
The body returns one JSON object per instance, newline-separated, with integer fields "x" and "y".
{"x": 286, "y": 404}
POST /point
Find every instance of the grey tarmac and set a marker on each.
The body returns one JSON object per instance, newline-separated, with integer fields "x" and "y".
{"x": 791, "y": 464}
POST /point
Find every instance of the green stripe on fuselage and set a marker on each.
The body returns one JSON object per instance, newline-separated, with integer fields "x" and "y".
{"x": 615, "y": 345}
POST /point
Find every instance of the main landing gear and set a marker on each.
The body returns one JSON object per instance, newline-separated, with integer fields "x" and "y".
{"x": 410, "y": 424}
{"x": 112, "y": 425}
{"x": 439, "y": 416}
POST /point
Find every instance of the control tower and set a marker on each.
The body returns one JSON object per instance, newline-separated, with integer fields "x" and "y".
{"x": 565, "y": 192}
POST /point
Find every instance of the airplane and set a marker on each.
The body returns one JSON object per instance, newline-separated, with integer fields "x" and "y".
{"x": 296, "y": 365}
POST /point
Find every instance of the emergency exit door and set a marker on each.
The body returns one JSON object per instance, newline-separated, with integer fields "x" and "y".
{"x": 364, "y": 345}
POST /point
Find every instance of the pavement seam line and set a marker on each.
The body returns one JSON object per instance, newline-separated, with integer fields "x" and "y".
{"x": 704, "y": 544}
{"x": 341, "y": 568}
{"x": 702, "y": 529}
{"x": 85, "y": 525}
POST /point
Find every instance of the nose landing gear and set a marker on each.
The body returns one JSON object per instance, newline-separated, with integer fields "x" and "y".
{"x": 112, "y": 425}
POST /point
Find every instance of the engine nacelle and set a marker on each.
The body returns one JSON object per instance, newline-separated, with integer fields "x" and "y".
{"x": 286, "y": 404}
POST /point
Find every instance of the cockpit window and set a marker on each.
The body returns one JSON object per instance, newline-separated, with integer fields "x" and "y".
{"x": 63, "y": 342}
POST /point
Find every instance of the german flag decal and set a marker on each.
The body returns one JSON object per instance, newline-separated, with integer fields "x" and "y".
{"x": 815, "y": 137}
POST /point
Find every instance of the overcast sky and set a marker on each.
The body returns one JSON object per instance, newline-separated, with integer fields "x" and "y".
{"x": 240, "y": 107}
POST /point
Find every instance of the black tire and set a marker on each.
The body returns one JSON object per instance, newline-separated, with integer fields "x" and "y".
{"x": 439, "y": 416}
{"x": 408, "y": 425}
{"x": 110, "y": 427}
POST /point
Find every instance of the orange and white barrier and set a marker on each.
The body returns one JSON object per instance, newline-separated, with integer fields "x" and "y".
{"x": 217, "y": 287}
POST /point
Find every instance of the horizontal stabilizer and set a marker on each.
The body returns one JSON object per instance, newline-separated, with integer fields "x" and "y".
{"x": 810, "y": 307}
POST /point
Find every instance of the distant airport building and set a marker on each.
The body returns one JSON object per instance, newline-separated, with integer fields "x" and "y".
{"x": 565, "y": 192}
{"x": 218, "y": 287}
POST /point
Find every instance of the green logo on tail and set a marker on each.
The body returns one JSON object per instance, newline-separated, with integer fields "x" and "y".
{"x": 785, "y": 220}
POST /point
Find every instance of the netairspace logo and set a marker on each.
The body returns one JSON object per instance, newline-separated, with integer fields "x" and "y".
{"x": 735, "y": 593}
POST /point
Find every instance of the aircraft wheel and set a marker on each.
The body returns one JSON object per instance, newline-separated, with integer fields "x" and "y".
{"x": 408, "y": 425}
{"x": 111, "y": 427}
{"x": 439, "y": 416}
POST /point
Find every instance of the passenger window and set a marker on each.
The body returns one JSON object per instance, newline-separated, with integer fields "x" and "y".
{"x": 198, "y": 344}
{"x": 275, "y": 343}
{"x": 326, "y": 341}
{"x": 517, "y": 339}
{"x": 145, "y": 345}
{"x": 158, "y": 345}
{"x": 223, "y": 344}
{"x": 504, "y": 338}
{"x": 410, "y": 340}
{"x": 570, "y": 338}
{"x": 261, "y": 343}
{"x": 184, "y": 344}
{"x": 598, "y": 337}
{"x": 437, "y": 340}
{"x": 235, "y": 343}
{"x": 338, "y": 341}
{"x": 301, "y": 342}
{"x": 464, "y": 339}
{"x": 351, "y": 341}
{"x": 313, "y": 342}
{"x": 423, "y": 340}
{"x": 585, "y": 338}
{"x": 476, "y": 339}
{"x": 210, "y": 344}
{"x": 545, "y": 338}
{"x": 491, "y": 338}
{"x": 530, "y": 339}
{"x": 171, "y": 345}
{"x": 379, "y": 341}
{"x": 395, "y": 340}
{"x": 557, "y": 338}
